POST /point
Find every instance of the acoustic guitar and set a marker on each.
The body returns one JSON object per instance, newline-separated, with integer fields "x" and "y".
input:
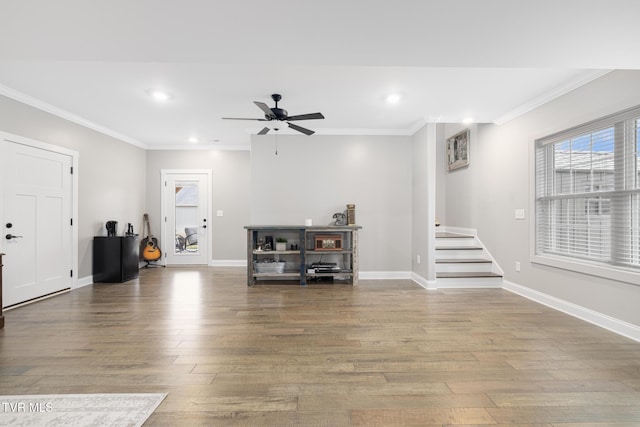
{"x": 149, "y": 245}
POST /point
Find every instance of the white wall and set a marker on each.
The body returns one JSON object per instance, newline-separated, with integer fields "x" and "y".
{"x": 441, "y": 167}
{"x": 485, "y": 195}
{"x": 314, "y": 177}
{"x": 230, "y": 193}
{"x": 111, "y": 173}
{"x": 424, "y": 173}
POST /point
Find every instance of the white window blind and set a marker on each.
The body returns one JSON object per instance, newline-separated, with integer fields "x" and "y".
{"x": 588, "y": 192}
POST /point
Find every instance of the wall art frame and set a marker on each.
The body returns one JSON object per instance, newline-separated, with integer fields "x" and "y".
{"x": 458, "y": 150}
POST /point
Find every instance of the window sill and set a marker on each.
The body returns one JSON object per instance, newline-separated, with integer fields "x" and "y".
{"x": 619, "y": 274}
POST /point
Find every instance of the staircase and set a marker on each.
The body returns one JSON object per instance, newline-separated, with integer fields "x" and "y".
{"x": 462, "y": 261}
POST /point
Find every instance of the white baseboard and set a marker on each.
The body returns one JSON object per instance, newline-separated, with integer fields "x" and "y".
{"x": 468, "y": 283}
{"x": 429, "y": 285}
{"x": 83, "y": 281}
{"x": 617, "y": 326}
{"x": 228, "y": 263}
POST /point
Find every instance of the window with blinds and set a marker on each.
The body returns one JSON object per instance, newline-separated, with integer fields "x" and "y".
{"x": 587, "y": 183}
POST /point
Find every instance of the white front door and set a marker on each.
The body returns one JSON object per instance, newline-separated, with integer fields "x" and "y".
{"x": 36, "y": 187}
{"x": 185, "y": 235}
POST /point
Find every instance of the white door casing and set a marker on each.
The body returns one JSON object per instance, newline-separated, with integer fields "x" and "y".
{"x": 37, "y": 203}
{"x": 186, "y": 203}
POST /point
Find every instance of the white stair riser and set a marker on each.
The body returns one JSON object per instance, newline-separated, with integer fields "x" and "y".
{"x": 459, "y": 253}
{"x": 474, "y": 282}
{"x": 466, "y": 267}
{"x": 467, "y": 241}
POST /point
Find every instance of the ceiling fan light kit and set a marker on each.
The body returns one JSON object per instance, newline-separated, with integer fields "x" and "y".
{"x": 280, "y": 114}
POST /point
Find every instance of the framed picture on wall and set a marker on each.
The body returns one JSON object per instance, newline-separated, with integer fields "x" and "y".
{"x": 458, "y": 150}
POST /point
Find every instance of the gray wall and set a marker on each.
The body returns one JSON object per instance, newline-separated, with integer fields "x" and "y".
{"x": 230, "y": 193}
{"x": 111, "y": 178}
{"x": 460, "y": 194}
{"x": 314, "y": 177}
{"x": 485, "y": 195}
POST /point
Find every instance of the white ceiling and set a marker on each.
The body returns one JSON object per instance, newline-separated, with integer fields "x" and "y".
{"x": 93, "y": 61}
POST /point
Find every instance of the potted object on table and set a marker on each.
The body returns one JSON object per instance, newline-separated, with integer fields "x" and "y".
{"x": 281, "y": 244}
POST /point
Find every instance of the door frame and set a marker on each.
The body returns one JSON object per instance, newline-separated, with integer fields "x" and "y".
{"x": 75, "y": 160}
{"x": 164, "y": 239}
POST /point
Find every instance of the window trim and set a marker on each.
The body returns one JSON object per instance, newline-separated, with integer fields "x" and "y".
{"x": 576, "y": 265}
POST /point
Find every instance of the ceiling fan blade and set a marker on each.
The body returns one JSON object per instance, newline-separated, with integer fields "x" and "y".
{"x": 306, "y": 116}
{"x": 263, "y": 131}
{"x": 265, "y": 108}
{"x": 242, "y": 118}
{"x": 301, "y": 129}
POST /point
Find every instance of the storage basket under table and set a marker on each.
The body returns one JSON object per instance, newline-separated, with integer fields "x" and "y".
{"x": 269, "y": 267}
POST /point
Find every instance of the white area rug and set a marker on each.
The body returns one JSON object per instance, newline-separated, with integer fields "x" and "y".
{"x": 78, "y": 410}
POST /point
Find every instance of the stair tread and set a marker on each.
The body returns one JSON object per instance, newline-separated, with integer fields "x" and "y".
{"x": 446, "y": 235}
{"x": 457, "y": 248}
{"x": 467, "y": 274}
{"x": 462, "y": 260}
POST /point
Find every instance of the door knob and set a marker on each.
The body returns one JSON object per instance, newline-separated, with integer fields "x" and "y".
{"x": 11, "y": 236}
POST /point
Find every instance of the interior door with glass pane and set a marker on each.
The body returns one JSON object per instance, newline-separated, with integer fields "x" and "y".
{"x": 186, "y": 212}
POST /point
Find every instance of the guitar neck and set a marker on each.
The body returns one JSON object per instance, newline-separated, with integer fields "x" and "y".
{"x": 147, "y": 223}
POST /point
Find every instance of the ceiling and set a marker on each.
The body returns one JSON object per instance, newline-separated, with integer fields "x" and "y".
{"x": 490, "y": 60}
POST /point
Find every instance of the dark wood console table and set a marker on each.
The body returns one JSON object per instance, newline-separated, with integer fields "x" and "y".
{"x": 311, "y": 253}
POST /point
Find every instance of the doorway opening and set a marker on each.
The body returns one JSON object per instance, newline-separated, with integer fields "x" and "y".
{"x": 185, "y": 214}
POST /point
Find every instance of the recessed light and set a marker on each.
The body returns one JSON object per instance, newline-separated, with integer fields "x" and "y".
{"x": 159, "y": 95}
{"x": 468, "y": 120}
{"x": 393, "y": 98}
{"x": 193, "y": 140}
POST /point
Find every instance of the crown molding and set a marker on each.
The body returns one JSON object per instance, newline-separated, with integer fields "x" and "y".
{"x": 197, "y": 147}
{"x": 557, "y": 92}
{"x": 368, "y": 132}
{"x": 351, "y": 131}
{"x": 419, "y": 125}
{"x": 41, "y": 105}
{"x": 549, "y": 96}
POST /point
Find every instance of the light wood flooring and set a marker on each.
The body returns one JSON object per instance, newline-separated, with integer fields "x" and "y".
{"x": 384, "y": 353}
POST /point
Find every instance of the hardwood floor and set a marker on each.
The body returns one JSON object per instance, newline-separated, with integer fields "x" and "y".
{"x": 384, "y": 353}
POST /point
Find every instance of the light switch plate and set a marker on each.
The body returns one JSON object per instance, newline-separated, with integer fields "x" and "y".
{"x": 219, "y": 213}
{"x": 519, "y": 213}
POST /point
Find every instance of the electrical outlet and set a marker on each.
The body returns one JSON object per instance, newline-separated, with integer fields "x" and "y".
{"x": 418, "y": 259}
{"x": 517, "y": 265}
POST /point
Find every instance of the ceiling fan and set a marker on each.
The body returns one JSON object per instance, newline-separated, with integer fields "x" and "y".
{"x": 281, "y": 115}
